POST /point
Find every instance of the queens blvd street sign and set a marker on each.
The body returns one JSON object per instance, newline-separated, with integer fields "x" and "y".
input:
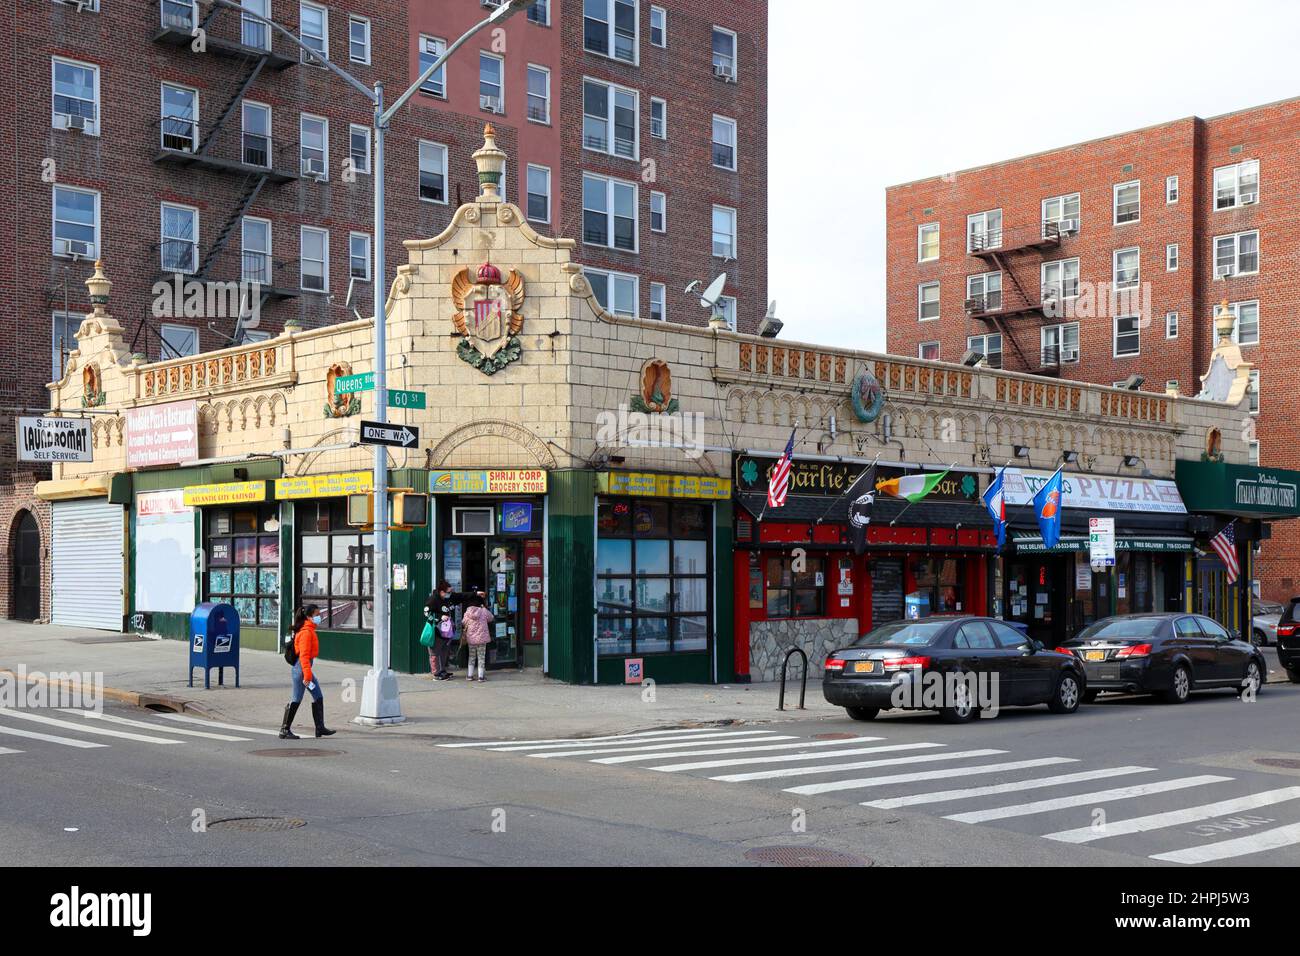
{"x": 54, "y": 439}
{"x": 398, "y": 436}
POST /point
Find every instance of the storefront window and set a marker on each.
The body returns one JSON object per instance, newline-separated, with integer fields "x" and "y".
{"x": 653, "y": 574}
{"x": 335, "y": 566}
{"x": 244, "y": 562}
{"x": 792, "y": 593}
{"x": 940, "y": 580}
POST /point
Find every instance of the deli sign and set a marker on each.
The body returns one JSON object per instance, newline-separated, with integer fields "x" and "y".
{"x": 54, "y": 439}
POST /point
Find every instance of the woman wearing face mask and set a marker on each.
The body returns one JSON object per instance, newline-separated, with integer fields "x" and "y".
{"x": 307, "y": 646}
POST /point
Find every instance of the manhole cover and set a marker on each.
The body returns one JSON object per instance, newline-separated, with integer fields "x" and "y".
{"x": 257, "y": 824}
{"x": 802, "y": 856}
{"x": 296, "y": 752}
{"x": 1284, "y": 763}
{"x": 839, "y": 736}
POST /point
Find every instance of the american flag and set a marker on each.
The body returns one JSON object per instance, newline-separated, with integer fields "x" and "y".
{"x": 1225, "y": 546}
{"x": 779, "y": 484}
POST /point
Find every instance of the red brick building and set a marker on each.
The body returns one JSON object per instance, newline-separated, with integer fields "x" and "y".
{"x": 1107, "y": 259}
{"x": 178, "y": 137}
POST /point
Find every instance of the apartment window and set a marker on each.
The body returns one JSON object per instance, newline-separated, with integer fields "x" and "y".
{"x": 1171, "y": 325}
{"x": 1058, "y": 344}
{"x": 609, "y": 213}
{"x": 1236, "y": 254}
{"x": 727, "y": 309}
{"x": 1128, "y": 202}
{"x": 1253, "y": 391}
{"x": 985, "y": 291}
{"x": 1171, "y": 257}
{"x": 76, "y": 222}
{"x": 539, "y": 193}
{"x": 724, "y": 232}
{"x": 358, "y": 39}
{"x": 1060, "y": 279}
{"x": 984, "y": 230}
{"x": 927, "y": 242}
{"x": 1236, "y": 185}
{"x": 313, "y": 140}
{"x": 609, "y": 119}
{"x": 178, "y": 341}
{"x": 256, "y": 243}
{"x": 314, "y": 265}
{"x": 491, "y": 96}
{"x": 1128, "y": 336}
{"x": 313, "y": 30}
{"x": 1245, "y": 323}
{"x": 658, "y": 296}
{"x": 334, "y": 565}
{"x": 255, "y": 33}
{"x": 430, "y": 49}
{"x": 658, "y": 118}
{"x": 609, "y": 27}
{"x": 433, "y": 172}
{"x": 1171, "y": 190}
{"x": 359, "y": 148}
{"x": 359, "y": 256}
{"x": 724, "y": 53}
{"x": 724, "y": 143}
{"x": 180, "y": 118}
{"x": 539, "y": 12}
{"x": 616, "y": 292}
{"x": 927, "y": 298}
{"x": 658, "y": 212}
{"x": 539, "y": 94}
{"x": 990, "y": 346}
{"x": 1059, "y": 208}
{"x": 179, "y": 247}
{"x": 75, "y": 96}
{"x": 64, "y": 338}
{"x": 1127, "y": 268}
{"x": 928, "y": 351}
{"x": 658, "y": 26}
{"x": 1252, "y": 452}
{"x": 256, "y": 142}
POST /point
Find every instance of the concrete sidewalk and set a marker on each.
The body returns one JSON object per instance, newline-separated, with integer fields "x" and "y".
{"x": 510, "y": 704}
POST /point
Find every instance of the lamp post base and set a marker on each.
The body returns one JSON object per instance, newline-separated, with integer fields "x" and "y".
{"x": 379, "y": 700}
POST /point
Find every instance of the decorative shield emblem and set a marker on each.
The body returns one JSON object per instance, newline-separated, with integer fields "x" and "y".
{"x": 488, "y": 317}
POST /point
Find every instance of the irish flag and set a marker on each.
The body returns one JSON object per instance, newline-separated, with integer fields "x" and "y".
{"x": 911, "y": 487}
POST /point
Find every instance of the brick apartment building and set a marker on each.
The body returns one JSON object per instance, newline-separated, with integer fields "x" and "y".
{"x": 178, "y": 137}
{"x": 1108, "y": 259}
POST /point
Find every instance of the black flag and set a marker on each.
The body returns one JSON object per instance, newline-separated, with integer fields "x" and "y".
{"x": 860, "y": 512}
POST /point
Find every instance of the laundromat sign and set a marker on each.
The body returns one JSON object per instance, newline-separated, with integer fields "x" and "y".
{"x": 528, "y": 482}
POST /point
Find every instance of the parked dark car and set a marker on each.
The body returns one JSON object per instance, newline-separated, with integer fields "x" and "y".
{"x": 947, "y": 664}
{"x": 1169, "y": 655}
{"x": 1288, "y": 639}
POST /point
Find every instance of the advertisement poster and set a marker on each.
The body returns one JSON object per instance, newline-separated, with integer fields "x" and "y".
{"x": 164, "y": 552}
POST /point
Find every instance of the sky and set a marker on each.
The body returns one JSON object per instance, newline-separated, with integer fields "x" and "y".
{"x": 888, "y": 94}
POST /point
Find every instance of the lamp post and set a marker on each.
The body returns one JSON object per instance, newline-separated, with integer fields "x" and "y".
{"x": 379, "y": 698}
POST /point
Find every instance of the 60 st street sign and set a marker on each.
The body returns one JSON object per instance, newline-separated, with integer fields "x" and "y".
{"x": 365, "y": 382}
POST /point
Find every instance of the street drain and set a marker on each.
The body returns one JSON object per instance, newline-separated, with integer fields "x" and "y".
{"x": 257, "y": 824}
{"x": 297, "y": 752}
{"x": 802, "y": 856}
{"x": 1283, "y": 763}
{"x": 839, "y": 736}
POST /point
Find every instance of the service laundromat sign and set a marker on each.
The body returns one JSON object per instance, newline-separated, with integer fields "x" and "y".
{"x": 54, "y": 439}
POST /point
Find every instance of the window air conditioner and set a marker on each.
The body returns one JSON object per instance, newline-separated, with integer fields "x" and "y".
{"x": 74, "y": 248}
{"x": 1222, "y": 272}
{"x": 1247, "y": 199}
{"x": 313, "y": 168}
{"x": 724, "y": 72}
{"x": 1068, "y": 227}
{"x": 1069, "y": 355}
{"x": 490, "y": 104}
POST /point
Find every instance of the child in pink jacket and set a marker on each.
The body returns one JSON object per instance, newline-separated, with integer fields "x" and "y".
{"x": 478, "y": 635}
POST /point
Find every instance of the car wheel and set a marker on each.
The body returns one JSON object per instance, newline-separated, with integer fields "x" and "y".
{"x": 1253, "y": 681}
{"x": 1259, "y": 638}
{"x": 863, "y": 713}
{"x": 1293, "y": 674}
{"x": 1180, "y": 688}
{"x": 1065, "y": 699}
{"x": 1090, "y": 695}
{"x": 962, "y": 706}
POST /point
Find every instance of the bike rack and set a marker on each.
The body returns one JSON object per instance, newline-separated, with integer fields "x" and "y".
{"x": 803, "y": 690}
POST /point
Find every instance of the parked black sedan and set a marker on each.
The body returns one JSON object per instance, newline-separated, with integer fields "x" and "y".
{"x": 1288, "y": 639}
{"x": 1170, "y": 655}
{"x": 955, "y": 665}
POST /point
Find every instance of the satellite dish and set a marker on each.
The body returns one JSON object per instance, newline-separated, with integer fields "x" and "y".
{"x": 710, "y": 296}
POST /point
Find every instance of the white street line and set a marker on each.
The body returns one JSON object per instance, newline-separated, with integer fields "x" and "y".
{"x": 148, "y": 725}
{"x": 615, "y": 743}
{"x": 85, "y": 729}
{"x": 50, "y": 738}
{"x": 1173, "y": 818}
{"x": 943, "y": 796}
{"x": 856, "y": 765}
{"x": 212, "y": 723}
{"x": 649, "y": 751}
{"x": 787, "y": 758}
{"x": 579, "y": 740}
{"x": 1255, "y": 843}
{"x": 6, "y": 750}
{"x": 744, "y": 750}
{"x": 1083, "y": 799}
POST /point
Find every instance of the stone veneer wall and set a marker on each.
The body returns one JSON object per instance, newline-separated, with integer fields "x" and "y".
{"x": 770, "y": 640}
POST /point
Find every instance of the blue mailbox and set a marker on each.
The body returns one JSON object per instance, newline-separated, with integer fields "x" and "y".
{"x": 214, "y": 642}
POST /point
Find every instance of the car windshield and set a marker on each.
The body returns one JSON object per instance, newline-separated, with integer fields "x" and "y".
{"x": 1122, "y": 627}
{"x": 1267, "y": 607}
{"x": 903, "y": 632}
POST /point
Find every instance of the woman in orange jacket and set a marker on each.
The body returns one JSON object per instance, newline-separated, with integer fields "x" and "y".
{"x": 307, "y": 647}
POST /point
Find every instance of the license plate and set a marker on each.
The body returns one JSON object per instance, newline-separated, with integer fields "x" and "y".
{"x": 864, "y": 667}
{"x": 1094, "y": 655}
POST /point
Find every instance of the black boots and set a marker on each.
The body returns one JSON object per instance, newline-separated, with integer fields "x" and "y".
{"x": 318, "y": 714}
{"x": 290, "y": 710}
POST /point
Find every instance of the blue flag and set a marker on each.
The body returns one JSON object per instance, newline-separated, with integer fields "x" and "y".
{"x": 1047, "y": 506}
{"x": 995, "y": 503}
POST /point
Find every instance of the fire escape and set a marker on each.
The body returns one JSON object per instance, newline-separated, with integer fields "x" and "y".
{"x": 245, "y": 153}
{"x": 1012, "y": 309}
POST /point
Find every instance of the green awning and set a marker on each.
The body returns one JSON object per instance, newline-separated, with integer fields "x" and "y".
{"x": 1033, "y": 544}
{"x": 1246, "y": 491}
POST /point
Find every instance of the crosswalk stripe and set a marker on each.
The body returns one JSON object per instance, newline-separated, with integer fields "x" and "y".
{"x": 84, "y": 729}
{"x": 6, "y": 750}
{"x": 514, "y": 748}
{"x": 93, "y": 715}
{"x": 864, "y": 782}
{"x": 1083, "y": 799}
{"x": 741, "y": 750}
{"x": 1173, "y": 818}
{"x": 788, "y": 758}
{"x": 51, "y": 738}
{"x": 650, "y": 751}
{"x": 1273, "y": 839}
{"x": 181, "y": 718}
{"x": 579, "y": 740}
{"x": 943, "y": 796}
{"x": 856, "y": 765}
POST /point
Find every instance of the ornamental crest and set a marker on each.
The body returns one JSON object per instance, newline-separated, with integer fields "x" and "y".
{"x": 488, "y": 317}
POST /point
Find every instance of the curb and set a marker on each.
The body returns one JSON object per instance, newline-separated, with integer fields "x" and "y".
{"x": 129, "y": 697}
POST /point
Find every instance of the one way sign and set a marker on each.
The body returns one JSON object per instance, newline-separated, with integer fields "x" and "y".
{"x": 398, "y": 436}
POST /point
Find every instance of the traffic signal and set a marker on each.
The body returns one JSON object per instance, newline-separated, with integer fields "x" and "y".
{"x": 361, "y": 510}
{"x": 410, "y": 510}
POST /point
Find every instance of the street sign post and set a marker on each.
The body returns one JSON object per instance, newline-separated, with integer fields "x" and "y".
{"x": 1101, "y": 542}
{"x": 54, "y": 439}
{"x": 395, "y": 436}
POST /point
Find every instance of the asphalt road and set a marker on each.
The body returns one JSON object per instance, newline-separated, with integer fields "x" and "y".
{"x": 1027, "y": 788}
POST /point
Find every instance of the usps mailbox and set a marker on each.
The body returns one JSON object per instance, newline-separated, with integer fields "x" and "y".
{"x": 214, "y": 642}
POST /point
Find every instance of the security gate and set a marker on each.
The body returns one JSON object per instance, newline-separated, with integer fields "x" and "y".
{"x": 87, "y": 564}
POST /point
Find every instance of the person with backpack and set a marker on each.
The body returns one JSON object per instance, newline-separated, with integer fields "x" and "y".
{"x": 303, "y": 650}
{"x": 478, "y": 635}
{"x": 449, "y": 602}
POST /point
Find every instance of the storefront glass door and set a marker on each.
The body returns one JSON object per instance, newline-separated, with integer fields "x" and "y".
{"x": 502, "y": 577}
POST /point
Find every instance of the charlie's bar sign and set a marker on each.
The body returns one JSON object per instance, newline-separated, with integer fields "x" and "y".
{"x": 54, "y": 439}
{"x": 821, "y": 478}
